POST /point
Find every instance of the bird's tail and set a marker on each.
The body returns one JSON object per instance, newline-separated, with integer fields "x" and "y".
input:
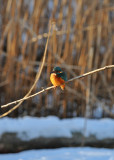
{"x": 62, "y": 86}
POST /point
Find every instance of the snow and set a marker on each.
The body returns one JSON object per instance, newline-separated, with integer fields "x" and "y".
{"x": 51, "y": 126}
{"x": 31, "y": 127}
{"x": 80, "y": 153}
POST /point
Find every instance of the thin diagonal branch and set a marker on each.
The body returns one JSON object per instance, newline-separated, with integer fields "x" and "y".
{"x": 48, "y": 88}
{"x": 92, "y": 72}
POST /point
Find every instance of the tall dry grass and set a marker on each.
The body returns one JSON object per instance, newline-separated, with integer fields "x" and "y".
{"x": 81, "y": 40}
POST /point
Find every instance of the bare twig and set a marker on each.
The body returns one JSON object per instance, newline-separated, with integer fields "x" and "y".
{"x": 62, "y": 32}
{"x": 25, "y": 98}
{"x": 92, "y": 72}
{"x": 48, "y": 88}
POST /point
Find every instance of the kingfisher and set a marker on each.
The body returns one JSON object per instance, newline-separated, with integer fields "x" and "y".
{"x": 58, "y": 77}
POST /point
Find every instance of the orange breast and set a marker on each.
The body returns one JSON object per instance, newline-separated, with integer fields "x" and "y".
{"x": 57, "y": 81}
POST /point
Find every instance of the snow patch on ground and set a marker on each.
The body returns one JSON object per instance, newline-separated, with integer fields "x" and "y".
{"x": 31, "y": 127}
{"x": 84, "y": 153}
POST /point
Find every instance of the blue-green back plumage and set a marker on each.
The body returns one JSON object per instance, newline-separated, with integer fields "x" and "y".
{"x": 62, "y": 75}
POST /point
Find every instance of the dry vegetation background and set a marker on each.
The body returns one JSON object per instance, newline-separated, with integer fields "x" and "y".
{"x": 81, "y": 40}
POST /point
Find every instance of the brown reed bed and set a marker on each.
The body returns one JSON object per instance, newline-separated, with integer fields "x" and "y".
{"x": 81, "y": 40}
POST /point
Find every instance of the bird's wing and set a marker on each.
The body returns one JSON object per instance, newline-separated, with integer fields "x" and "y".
{"x": 62, "y": 75}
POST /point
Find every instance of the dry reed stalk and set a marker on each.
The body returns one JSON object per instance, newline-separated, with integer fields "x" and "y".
{"x": 88, "y": 96}
{"x": 36, "y": 79}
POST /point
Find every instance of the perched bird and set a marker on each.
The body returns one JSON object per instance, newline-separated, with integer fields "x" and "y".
{"x": 58, "y": 77}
